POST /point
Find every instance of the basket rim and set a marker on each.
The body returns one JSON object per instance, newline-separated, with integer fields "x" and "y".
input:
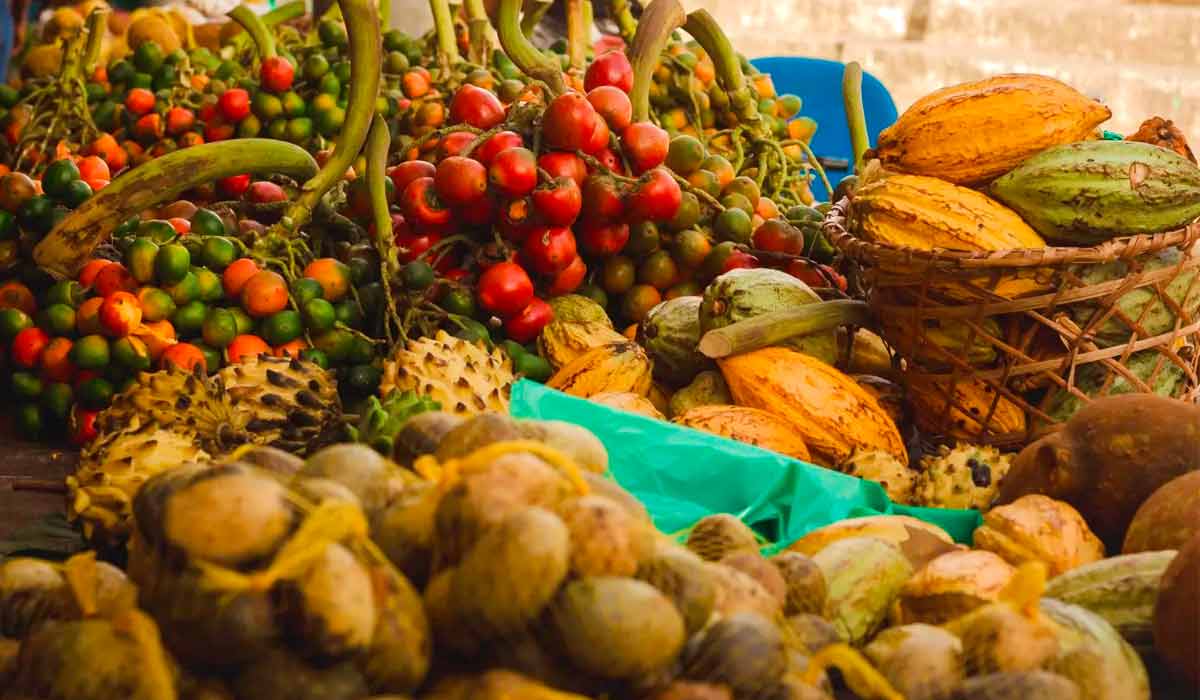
{"x": 861, "y": 250}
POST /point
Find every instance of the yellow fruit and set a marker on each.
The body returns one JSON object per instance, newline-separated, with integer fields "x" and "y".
{"x": 613, "y": 367}
{"x": 973, "y": 132}
{"x": 748, "y": 425}
{"x": 43, "y": 61}
{"x": 828, "y": 410}
{"x": 152, "y": 28}
{"x": 628, "y": 401}
{"x": 563, "y": 341}
{"x": 1039, "y": 528}
{"x": 968, "y": 411}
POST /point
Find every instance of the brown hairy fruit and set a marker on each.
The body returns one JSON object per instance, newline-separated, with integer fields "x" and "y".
{"x": 605, "y": 539}
{"x": 1038, "y": 528}
{"x": 602, "y": 485}
{"x": 1017, "y": 685}
{"x": 1086, "y": 462}
{"x": 475, "y": 432}
{"x": 810, "y": 633}
{"x": 617, "y": 628}
{"x": 738, "y": 592}
{"x": 31, "y": 592}
{"x": 401, "y": 649}
{"x": 687, "y": 690}
{"x": 743, "y": 651}
{"x": 330, "y": 609}
{"x": 357, "y": 467}
{"x": 1168, "y": 518}
{"x": 279, "y": 675}
{"x": 997, "y": 637}
{"x": 758, "y": 568}
{"x": 714, "y": 536}
{"x": 575, "y": 441}
{"x": 951, "y": 586}
{"x": 321, "y": 490}
{"x": 272, "y": 459}
{"x": 1177, "y": 614}
{"x": 686, "y": 581}
{"x": 805, "y": 583}
{"x": 422, "y": 434}
{"x": 405, "y": 531}
{"x": 444, "y": 619}
{"x": 920, "y": 661}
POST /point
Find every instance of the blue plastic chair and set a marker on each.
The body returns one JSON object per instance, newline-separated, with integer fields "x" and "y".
{"x": 818, "y": 83}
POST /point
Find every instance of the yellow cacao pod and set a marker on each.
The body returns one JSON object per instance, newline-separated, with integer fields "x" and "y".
{"x": 828, "y": 409}
{"x": 613, "y": 367}
{"x": 921, "y": 212}
{"x": 977, "y": 131}
{"x": 748, "y": 425}
{"x": 964, "y": 416}
{"x": 562, "y": 341}
{"x": 628, "y": 401}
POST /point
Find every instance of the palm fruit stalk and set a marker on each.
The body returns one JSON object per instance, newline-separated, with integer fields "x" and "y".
{"x": 69, "y": 244}
{"x": 379, "y": 141}
{"x": 522, "y": 52}
{"x": 653, "y": 32}
{"x": 263, "y": 38}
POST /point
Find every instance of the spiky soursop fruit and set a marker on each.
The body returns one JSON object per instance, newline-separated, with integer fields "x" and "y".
{"x": 176, "y": 400}
{"x": 463, "y": 377}
{"x": 967, "y": 476}
{"x": 878, "y": 466}
{"x": 291, "y": 404}
{"x": 114, "y": 466}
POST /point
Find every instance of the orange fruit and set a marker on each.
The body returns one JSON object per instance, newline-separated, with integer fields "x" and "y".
{"x": 265, "y": 293}
{"x": 185, "y": 356}
{"x": 87, "y": 274}
{"x": 56, "y": 361}
{"x": 181, "y": 225}
{"x": 246, "y": 347}
{"x": 158, "y": 337}
{"x": 87, "y": 317}
{"x": 94, "y": 167}
{"x": 120, "y": 314}
{"x": 334, "y": 276}
{"x": 113, "y": 277}
{"x": 14, "y": 295}
{"x": 235, "y": 276}
{"x": 290, "y": 349}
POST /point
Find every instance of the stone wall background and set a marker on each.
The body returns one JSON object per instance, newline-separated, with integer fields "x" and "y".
{"x": 1140, "y": 57}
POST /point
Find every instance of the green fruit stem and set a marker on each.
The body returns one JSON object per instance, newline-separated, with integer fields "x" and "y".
{"x": 443, "y": 25}
{"x": 778, "y": 326}
{"x": 69, "y": 245}
{"x": 653, "y": 33}
{"x": 284, "y": 13}
{"x": 856, "y": 117}
{"x": 379, "y": 142}
{"x": 531, "y": 19}
{"x": 478, "y": 27}
{"x": 385, "y": 13}
{"x": 701, "y": 25}
{"x": 96, "y": 29}
{"x": 523, "y": 53}
{"x": 626, "y": 24}
{"x": 362, "y": 28}
{"x": 264, "y": 40}
{"x": 577, "y": 35}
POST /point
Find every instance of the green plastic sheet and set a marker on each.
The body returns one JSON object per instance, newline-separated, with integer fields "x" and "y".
{"x": 682, "y": 475}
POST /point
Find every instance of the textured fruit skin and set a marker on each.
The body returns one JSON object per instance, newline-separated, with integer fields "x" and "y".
{"x": 1086, "y": 193}
{"x": 628, "y": 401}
{"x": 863, "y": 576}
{"x": 830, "y": 412}
{"x": 1168, "y": 519}
{"x": 967, "y": 476}
{"x": 973, "y": 132}
{"x": 918, "y": 540}
{"x": 1177, "y": 614}
{"x": 714, "y": 536}
{"x": 744, "y": 651}
{"x": 927, "y": 395}
{"x": 749, "y": 425}
{"x": 465, "y": 378}
{"x": 741, "y": 294}
{"x": 956, "y": 338}
{"x": 706, "y": 389}
{"x": 670, "y": 333}
{"x": 622, "y": 366}
{"x": 950, "y": 586}
{"x": 1039, "y": 528}
{"x": 563, "y": 341}
{"x": 1093, "y": 654}
{"x": 274, "y": 390}
{"x": 1120, "y": 589}
{"x": 1091, "y": 380}
{"x": 1017, "y": 685}
{"x": 927, "y": 213}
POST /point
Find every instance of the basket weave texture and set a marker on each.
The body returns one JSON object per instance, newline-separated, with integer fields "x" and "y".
{"x": 1038, "y": 332}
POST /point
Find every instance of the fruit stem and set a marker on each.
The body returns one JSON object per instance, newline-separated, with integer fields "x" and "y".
{"x": 96, "y": 30}
{"x": 653, "y": 33}
{"x": 263, "y": 39}
{"x": 701, "y": 25}
{"x": 856, "y": 117}
{"x": 534, "y": 17}
{"x": 379, "y": 142}
{"x": 385, "y": 14}
{"x": 443, "y": 24}
{"x": 478, "y": 27}
{"x": 523, "y": 53}
{"x": 283, "y": 13}
{"x": 777, "y": 326}
{"x": 626, "y": 24}
{"x": 362, "y": 27}
{"x": 577, "y": 32}
{"x": 65, "y": 249}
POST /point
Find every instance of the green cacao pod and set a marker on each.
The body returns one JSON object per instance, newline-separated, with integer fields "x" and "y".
{"x": 576, "y": 308}
{"x": 707, "y": 389}
{"x": 1088, "y": 192}
{"x": 1143, "y": 305}
{"x": 1090, "y": 380}
{"x": 1121, "y": 589}
{"x": 670, "y": 333}
{"x": 1093, "y": 654}
{"x": 741, "y": 294}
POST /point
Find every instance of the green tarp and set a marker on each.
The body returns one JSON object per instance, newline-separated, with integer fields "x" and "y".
{"x": 681, "y": 474}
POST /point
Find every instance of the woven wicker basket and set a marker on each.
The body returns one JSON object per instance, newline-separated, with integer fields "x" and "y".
{"x": 1045, "y": 328}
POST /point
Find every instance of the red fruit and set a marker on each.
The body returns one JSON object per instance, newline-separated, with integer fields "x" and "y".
{"x": 514, "y": 172}
{"x": 29, "y": 344}
{"x": 120, "y": 314}
{"x": 277, "y": 74}
{"x": 149, "y": 127}
{"x": 516, "y": 219}
{"x": 208, "y": 111}
{"x": 778, "y": 236}
{"x": 481, "y": 212}
{"x": 83, "y": 426}
{"x": 114, "y": 278}
{"x": 609, "y": 159}
{"x": 645, "y": 145}
{"x": 612, "y": 104}
{"x": 410, "y": 170}
{"x": 558, "y": 202}
{"x": 816, "y": 275}
{"x": 612, "y": 68}
{"x": 180, "y": 120}
{"x": 570, "y": 278}
{"x": 567, "y": 122}
{"x": 486, "y": 152}
{"x": 550, "y": 250}
{"x": 460, "y": 181}
{"x": 456, "y": 274}
{"x": 599, "y": 139}
{"x": 527, "y": 325}
{"x": 416, "y": 245}
{"x": 603, "y": 239}
{"x": 234, "y": 104}
{"x": 139, "y": 101}
{"x": 563, "y": 164}
{"x": 263, "y": 192}
{"x": 218, "y": 131}
{"x": 602, "y": 199}
{"x": 505, "y": 289}
{"x": 234, "y": 185}
{"x": 475, "y": 106}
{"x": 421, "y": 205}
{"x": 739, "y": 259}
{"x": 656, "y": 197}
{"x": 454, "y": 143}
